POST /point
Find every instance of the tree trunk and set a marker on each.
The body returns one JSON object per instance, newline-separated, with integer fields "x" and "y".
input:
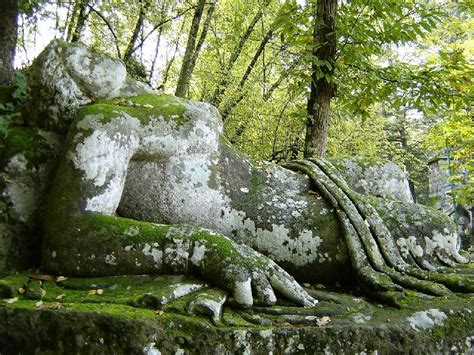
{"x": 169, "y": 63}
{"x": 155, "y": 57}
{"x": 185, "y": 73}
{"x": 8, "y": 37}
{"x": 81, "y": 21}
{"x": 224, "y": 82}
{"x": 322, "y": 75}
{"x": 202, "y": 37}
{"x": 226, "y": 110}
{"x": 138, "y": 27}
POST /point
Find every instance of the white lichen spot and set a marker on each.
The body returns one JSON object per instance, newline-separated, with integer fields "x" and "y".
{"x": 111, "y": 259}
{"x": 241, "y": 342}
{"x": 291, "y": 346}
{"x": 132, "y": 231}
{"x": 427, "y": 319}
{"x": 410, "y": 244}
{"x": 470, "y": 342}
{"x": 360, "y": 318}
{"x": 295, "y": 214}
{"x": 300, "y": 250}
{"x": 154, "y": 252}
{"x": 151, "y": 349}
{"x": 198, "y": 253}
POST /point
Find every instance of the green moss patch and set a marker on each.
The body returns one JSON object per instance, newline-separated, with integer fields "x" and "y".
{"x": 171, "y": 108}
{"x": 72, "y": 311}
{"x": 27, "y": 141}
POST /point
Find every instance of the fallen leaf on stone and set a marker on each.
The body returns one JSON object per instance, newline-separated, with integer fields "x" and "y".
{"x": 367, "y": 223}
{"x": 50, "y": 306}
{"x": 11, "y": 300}
{"x": 159, "y": 312}
{"x": 60, "y": 297}
{"x": 321, "y": 322}
{"x": 98, "y": 291}
{"x": 319, "y": 286}
{"x": 307, "y": 285}
{"x": 148, "y": 106}
{"x": 39, "y": 304}
{"x": 42, "y": 292}
{"x": 21, "y": 290}
{"x": 314, "y": 193}
{"x": 61, "y": 278}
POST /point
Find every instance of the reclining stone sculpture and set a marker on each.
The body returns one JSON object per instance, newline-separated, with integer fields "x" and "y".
{"x": 149, "y": 184}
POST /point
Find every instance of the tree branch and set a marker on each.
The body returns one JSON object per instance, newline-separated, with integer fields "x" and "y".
{"x": 117, "y": 47}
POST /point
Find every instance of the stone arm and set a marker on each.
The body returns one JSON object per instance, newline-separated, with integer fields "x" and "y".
{"x": 83, "y": 237}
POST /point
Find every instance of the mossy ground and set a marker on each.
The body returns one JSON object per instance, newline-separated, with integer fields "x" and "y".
{"x": 351, "y": 319}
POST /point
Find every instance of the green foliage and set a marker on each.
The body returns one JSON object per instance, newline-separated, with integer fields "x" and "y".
{"x": 455, "y": 136}
{"x": 136, "y": 70}
{"x": 12, "y": 99}
{"x": 452, "y": 70}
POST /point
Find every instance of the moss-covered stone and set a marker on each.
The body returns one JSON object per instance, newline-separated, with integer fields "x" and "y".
{"x": 80, "y": 321}
{"x": 171, "y": 108}
{"x": 28, "y": 159}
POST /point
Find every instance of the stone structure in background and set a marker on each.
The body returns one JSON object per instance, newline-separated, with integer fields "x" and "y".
{"x": 440, "y": 197}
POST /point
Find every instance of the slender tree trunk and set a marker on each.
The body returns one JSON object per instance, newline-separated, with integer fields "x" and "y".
{"x": 322, "y": 87}
{"x": 138, "y": 27}
{"x": 84, "y": 13}
{"x": 227, "y": 109}
{"x": 155, "y": 56}
{"x": 224, "y": 82}
{"x": 170, "y": 62}
{"x": 202, "y": 36}
{"x": 184, "y": 75}
{"x": 8, "y": 37}
{"x": 72, "y": 23}
{"x": 285, "y": 73}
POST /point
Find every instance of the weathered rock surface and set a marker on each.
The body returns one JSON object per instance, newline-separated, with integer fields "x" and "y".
{"x": 380, "y": 178}
{"x": 65, "y": 77}
{"x": 28, "y": 158}
{"x": 78, "y": 316}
